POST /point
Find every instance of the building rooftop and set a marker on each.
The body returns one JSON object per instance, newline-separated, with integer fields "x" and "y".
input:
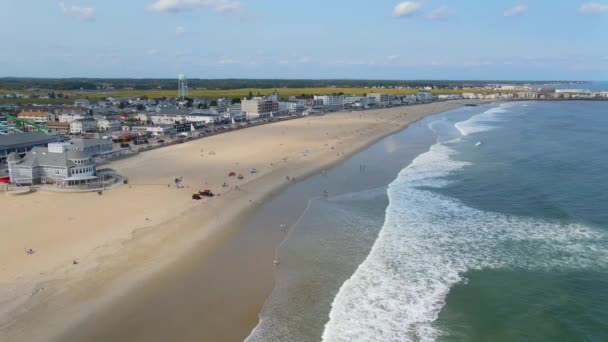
{"x": 40, "y": 114}
{"x": 84, "y": 143}
{"x": 10, "y": 140}
{"x": 40, "y": 156}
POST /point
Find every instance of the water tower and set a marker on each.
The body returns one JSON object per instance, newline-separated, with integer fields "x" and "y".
{"x": 182, "y": 86}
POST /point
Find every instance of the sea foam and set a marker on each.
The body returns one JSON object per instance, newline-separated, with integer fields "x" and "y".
{"x": 482, "y": 122}
{"x": 429, "y": 241}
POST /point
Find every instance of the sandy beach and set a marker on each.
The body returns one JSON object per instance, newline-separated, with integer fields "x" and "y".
{"x": 132, "y": 233}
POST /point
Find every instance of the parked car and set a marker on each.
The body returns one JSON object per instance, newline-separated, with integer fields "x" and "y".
{"x": 160, "y": 141}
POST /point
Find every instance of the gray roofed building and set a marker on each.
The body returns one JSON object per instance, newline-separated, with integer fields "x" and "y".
{"x": 21, "y": 143}
{"x": 53, "y": 165}
{"x": 91, "y": 147}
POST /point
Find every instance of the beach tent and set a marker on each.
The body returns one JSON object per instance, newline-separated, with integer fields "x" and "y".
{"x": 232, "y": 174}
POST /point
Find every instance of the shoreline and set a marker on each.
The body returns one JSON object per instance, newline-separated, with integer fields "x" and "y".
{"x": 175, "y": 236}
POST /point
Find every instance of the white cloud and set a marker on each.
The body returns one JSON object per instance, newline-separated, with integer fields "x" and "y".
{"x": 438, "y": 14}
{"x": 81, "y": 13}
{"x": 593, "y": 8}
{"x": 515, "y": 10}
{"x": 392, "y": 57}
{"x": 152, "y": 52}
{"x": 180, "y": 30}
{"x": 304, "y": 60}
{"x": 406, "y": 8}
{"x": 176, "y": 6}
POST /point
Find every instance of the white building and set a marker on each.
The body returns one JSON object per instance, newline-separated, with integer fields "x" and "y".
{"x": 155, "y": 130}
{"x": 331, "y": 102}
{"x": 166, "y": 119}
{"x": 108, "y": 125}
{"x": 83, "y": 125}
{"x": 35, "y": 117}
{"x": 527, "y": 95}
{"x": 381, "y": 99}
{"x": 206, "y": 117}
{"x": 73, "y": 116}
{"x": 424, "y": 96}
{"x": 291, "y": 107}
{"x": 260, "y": 106}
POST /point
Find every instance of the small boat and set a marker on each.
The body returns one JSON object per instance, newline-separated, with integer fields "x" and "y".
{"x": 478, "y": 144}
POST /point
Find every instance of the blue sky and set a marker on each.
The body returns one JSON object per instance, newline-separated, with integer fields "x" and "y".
{"x": 382, "y": 39}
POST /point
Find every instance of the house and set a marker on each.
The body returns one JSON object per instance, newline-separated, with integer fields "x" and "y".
{"x": 53, "y": 165}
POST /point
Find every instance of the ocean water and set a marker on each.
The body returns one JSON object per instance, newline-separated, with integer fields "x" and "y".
{"x": 497, "y": 232}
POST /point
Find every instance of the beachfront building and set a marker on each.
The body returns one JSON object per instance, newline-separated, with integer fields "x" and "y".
{"x": 155, "y": 130}
{"x": 53, "y": 165}
{"x": 291, "y": 107}
{"x": 359, "y": 101}
{"x": 331, "y": 102}
{"x": 260, "y": 106}
{"x": 527, "y": 95}
{"x": 35, "y": 117}
{"x": 21, "y": 143}
{"x": 91, "y": 147}
{"x": 424, "y": 96}
{"x": 381, "y": 99}
{"x": 169, "y": 116}
{"x": 203, "y": 116}
{"x": 237, "y": 115}
{"x": 83, "y": 126}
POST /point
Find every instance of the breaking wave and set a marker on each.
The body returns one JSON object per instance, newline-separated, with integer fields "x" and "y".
{"x": 429, "y": 241}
